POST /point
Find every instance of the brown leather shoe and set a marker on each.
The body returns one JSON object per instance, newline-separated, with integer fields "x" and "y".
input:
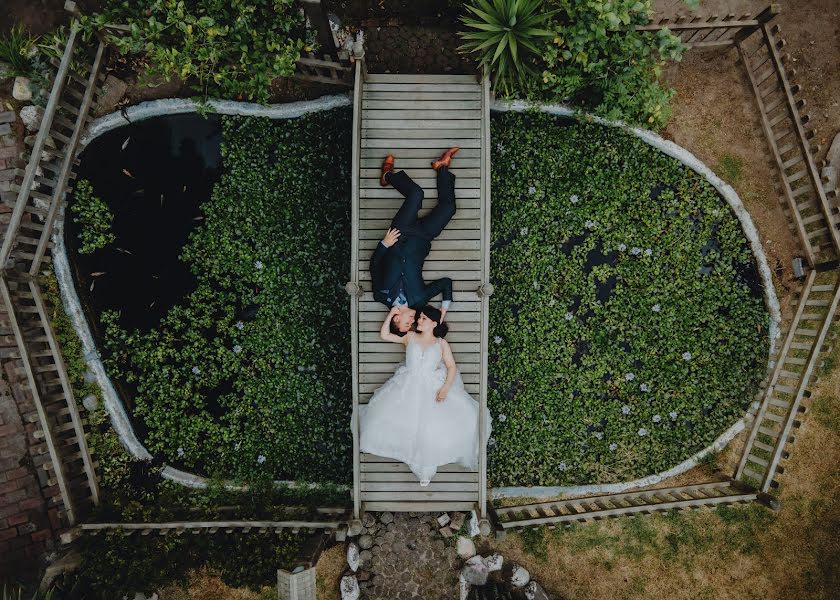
{"x": 445, "y": 158}
{"x": 387, "y": 167}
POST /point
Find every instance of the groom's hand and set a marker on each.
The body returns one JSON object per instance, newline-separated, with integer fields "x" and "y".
{"x": 442, "y": 314}
{"x": 391, "y": 237}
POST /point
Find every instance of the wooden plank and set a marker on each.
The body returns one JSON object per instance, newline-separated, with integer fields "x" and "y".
{"x": 434, "y": 272}
{"x": 366, "y": 390}
{"x": 420, "y": 78}
{"x": 384, "y": 464}
{"x": 442, "y": 126}
{"x": 461, "y": 137}
{"x": 385, "y": 347}
{"x": 429, "y": 193}
{"x": 438, "y": 143}
{"x": 406, "y": 475}
{"x": 389, "y": 362}
{"x": 386, "y": 214}
{"x": 436, "y": 88}
{"x": 375, "y": 171}
{"x": 421, "y": 106}
{"x": 413, "y": 96}
{"x": 433, "y": 506}
{"x": 414, "y": 152}
{"x": 390, "y": 496}
{"x": 440, "y": 112}
{"x": 392, "y": 204}
{"x": 461, "y": 183}
{"x": 382, "y": 376}
{"x": 435, "y": 486}
{"x": 354, "y": 267}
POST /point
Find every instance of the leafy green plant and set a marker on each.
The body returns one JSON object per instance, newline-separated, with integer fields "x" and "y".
{"x": 19, "y": 593}
{"x": 729, "y": 167}
{"x": 248, "y": 376}
{"x": 94, "y": 216}
{"x": 224, "y": 49}
{"x": 505, "y": 36}
{"x": 16, "y": 48}
{"x": 628, "y": 329}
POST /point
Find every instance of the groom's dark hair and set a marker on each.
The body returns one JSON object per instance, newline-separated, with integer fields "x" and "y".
{"x": 395, "y": 330}
{"x": 441, "y": 329}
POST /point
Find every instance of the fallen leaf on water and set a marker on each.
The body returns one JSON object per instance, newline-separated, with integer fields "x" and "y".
{"x": 198, "y": 218}
{"x": 161, "y": 200}
{"x": 123, "y": 250}
{"x": 92, "y": 283}
{"x": 97, "y": 273}
{"x": 125, "y": 143}
{"x": 185, "y": 189}
{"x": 127, "y": 172}
{"x": 152, "y": 304}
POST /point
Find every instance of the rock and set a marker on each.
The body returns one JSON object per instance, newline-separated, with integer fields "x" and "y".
{"x": 113, "y": 91}
{"x": 832, "y": 168}
{"x": 340, "y": 535}
{"x": 90, "y": 402}
{"x": 520, "y": 576}
{"x": 298, "y": 569}
{"x": 21, "y": 90}
{"x": 142, "y": 596}
{"x": 5, "y": 71}
{"x": 473, "y": 529}
{"x": 366, "y": 541}
{"x": 443, "y": 520}
{"x": 365, "y": 556}
{"x": 355, "y": 528}
{"x": 353, "y": 557}
{"x": 456, "y": 520}
{"x": 493, "y": 562}
{"x": 349, "y": 588}
{"x": 386, "y": 517}
{"x": 534, "y": 591}
{"x": 364, "y": 575}
{"x": 31, "y": 117}
{"x": 446, "y": 532}
{"x": 368, "y": 520}
{"x": 475, "y": 571}
{"x": 465, "y": 547}
{"x": 90, "y": 376}
{"x": 463, "y": 587}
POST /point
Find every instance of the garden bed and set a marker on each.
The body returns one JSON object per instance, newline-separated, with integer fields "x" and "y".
{"x": 244, "y": 371}
{"x": 628, "y": 328}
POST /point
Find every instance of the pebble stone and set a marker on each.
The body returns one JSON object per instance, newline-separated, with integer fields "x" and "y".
{"x": 409, "y": 560}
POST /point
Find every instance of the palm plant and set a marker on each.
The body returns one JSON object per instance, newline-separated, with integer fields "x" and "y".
{"x": 15, "y": 48}
{"x": 505, "y": 36}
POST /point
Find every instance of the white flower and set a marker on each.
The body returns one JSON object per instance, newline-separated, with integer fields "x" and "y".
{"x": 673, "y": 415}
{"x": 196, "y": 370}
{"x": 240, "y": 325}
{"x": 569, "y": 316}
{"x": 590, "y": 224}
{"x": 635, "y": 250}
{"x": 491, "y": 441}
{"x": 260, "y": 459}
{"x": 237, "y": 445}
{"x": 258, "y": 265}
{"x": 497, "y": 339}
{"x": 644, "y": 387}
{"x": 613, "y": 446}
{"x": 562, "y": 466}
{"x": 629, "y": 376}
{"x": 686, "y": 355}
{"x": 500, "y": 147}
{"x": 237, "y": 348}
{"x": 656, "y": 418}
{"x": 532, "y": 190}
{"x": 502, "y": 418}
{"x": 180, "y": 452}
{"x": 536, "y": 285}
{"x": 716, "y": 212}
{"x": 625, "y": 410}
{"x": 598, "y": 434}
{"x": 622, "y": 247}
{"x": 642, "y": 432}
{"x": 523, "y": 231}
{"x": 648, "y": 252}
{"x": 656, "y": 308}
{"x": 574, "y": 199}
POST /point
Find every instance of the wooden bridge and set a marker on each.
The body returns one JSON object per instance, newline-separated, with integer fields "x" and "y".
{"x": 416, "y": 117}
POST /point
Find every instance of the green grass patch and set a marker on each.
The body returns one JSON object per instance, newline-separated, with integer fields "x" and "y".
{"x": 730, "y": 168}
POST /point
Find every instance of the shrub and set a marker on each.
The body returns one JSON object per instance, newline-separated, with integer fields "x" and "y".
{"x": 628, "y": 329}
{"x": 506, "y": 35}
{"x": 16, "y": 48}
{"x": 225, "y": 49}
{"x": 94, "y": 216}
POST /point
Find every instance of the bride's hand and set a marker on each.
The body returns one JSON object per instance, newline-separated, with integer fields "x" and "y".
{"x": 441, "y": 395}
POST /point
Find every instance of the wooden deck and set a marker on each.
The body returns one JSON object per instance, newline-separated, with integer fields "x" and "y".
{"x": 416, "y": 117}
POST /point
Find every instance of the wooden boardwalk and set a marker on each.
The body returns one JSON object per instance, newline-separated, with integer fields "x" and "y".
{"x": 416, "y": 117}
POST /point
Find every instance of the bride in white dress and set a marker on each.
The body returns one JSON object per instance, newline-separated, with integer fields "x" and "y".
{"x": 422, "y": 415}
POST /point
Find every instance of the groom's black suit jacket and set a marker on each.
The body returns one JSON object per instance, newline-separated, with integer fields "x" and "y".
{"x": 401, "y": 265}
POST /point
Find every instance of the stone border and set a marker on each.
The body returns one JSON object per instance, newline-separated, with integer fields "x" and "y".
{"x": 72, "y": 306}
{"x": 770, "y": 299}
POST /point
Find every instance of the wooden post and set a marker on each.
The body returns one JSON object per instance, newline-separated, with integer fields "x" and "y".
{"x": 314, "y": 11}
{"x": 763, "y": 17}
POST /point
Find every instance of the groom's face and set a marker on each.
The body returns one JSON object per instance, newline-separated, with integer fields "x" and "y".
{"x": 405, "y": 319}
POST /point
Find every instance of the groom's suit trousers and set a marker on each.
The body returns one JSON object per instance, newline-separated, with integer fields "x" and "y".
{"x": 430, "y": 226}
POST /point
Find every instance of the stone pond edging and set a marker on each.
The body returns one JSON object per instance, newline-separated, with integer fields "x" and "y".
{"x": 116, "y": 409}
{"x": 770, "y": 299}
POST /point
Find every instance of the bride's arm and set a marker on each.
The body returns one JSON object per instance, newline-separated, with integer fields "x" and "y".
{"x": 385, "y": 330}
{"x": 451, "y": 371}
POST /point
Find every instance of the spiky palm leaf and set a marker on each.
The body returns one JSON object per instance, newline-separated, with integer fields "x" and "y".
{"x": 505, "y": 35}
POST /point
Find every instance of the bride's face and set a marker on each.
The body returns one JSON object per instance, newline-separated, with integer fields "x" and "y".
{"x": 424, "y": 323}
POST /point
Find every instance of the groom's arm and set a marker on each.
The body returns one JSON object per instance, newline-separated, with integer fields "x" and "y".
{"x": 439, "y": 286}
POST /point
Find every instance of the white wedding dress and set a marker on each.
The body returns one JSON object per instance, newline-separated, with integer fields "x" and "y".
{"x": 404, "y": 421}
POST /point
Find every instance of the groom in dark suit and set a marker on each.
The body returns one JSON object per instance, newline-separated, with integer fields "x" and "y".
{"x": 396, "y": 267}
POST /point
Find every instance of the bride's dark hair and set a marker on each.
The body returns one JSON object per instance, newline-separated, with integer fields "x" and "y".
{"x": 441, "y": 329}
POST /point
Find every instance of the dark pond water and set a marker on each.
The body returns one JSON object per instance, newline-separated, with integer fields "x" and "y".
{"x": 154, "y": 174}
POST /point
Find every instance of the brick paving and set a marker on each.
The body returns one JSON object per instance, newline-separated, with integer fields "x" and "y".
{"x": 27, "y": 521}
